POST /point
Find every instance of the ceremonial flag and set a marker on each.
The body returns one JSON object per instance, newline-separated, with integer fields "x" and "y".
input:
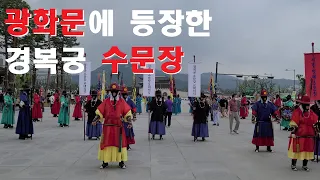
{"x": 103, "y": 91}
{"x": 121, "y": 82}
{"x": 134, "y": 88}
{"x": 171, "y": 86}
{"x": 99, "y": 83}
{"x": 174, "y": 86}
{"x": 211, "y": 85}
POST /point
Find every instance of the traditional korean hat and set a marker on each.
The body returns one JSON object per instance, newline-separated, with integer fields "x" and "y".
{"x": 158, "y": 93}
{"x": 94, "y": 93}
{"x": 264, "y": 92}
{"x": 304, "y": 100}
{"x": 202, "y": 95}
{"x": 9, "y": 90}
{"x": 114, "y": 87}
{"x": 64, "y": 92}
{"x": 124, "y": 90}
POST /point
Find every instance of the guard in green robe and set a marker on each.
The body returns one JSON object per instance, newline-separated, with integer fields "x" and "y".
{"x": 175, "y": 105}
{"x": 63, "y": 118}
{"x": 286, "y": 113}
{"x": 8, "y": 110}
{"x": 179, "y": 104}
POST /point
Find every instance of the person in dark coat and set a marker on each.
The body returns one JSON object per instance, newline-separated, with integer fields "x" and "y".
{"x": 24, "y": 125}
{"x": 157, "y": 107}
{"x": 91, "y": 107}
{"x": 201, "y": 111}
{"x": 316, "y": 109}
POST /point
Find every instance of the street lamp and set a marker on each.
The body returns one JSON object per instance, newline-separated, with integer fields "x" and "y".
{"x": 294, "y": 78}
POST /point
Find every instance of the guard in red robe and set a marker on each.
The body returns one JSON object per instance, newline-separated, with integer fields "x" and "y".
{"x": 113, "y": 143}
{"x": 56, "y": 105}
{"x": 301, "y": 142}
{"x": 244, "y": 111}
{"x": 77, "y": 113}
{"x": 36, "y": 107}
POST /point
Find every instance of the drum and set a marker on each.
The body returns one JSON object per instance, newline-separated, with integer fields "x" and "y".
{"x": 286, "y": 114}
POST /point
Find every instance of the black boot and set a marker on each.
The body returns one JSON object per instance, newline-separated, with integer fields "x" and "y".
{"x": 161, "y": 137}
{"x": 61, "y": 125}
{"x": 269, "y": 149}
{"x": 128, "y": 147}
{"x": 10, "y": 126}
{"x": 54, "y": 115}
{"x": 153, "y": 137}
{"x": 122, "y": 165}
{"x": 104, "y": 165}
{"x": 22, "y": 137}
{"x": 203, "y": 139}
{"x": 5, "y": 126}
{"x": 195, "y": 139}
{"x": 65, "y": 125}
{"x": 257, "y": 149}
{"x": 305, "y": 165}
{"x": 294, "y": 165}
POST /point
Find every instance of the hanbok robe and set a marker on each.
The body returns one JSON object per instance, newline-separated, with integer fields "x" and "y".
{"x": 158, "y": 111}
{"x": 91, "y": 130}
{"x": 24, "y": 123}
{"x": 36, "y": 107}
{"x": 215, "y": 113}
{"x": 178, "y": 105}
{"x": 113, "y": 143}
{"x": 191, "y": 101}
{"x": 244, "y": 112}
{"x": 129, "y": 132}
{"x": 278, "y": 104}
{"x": 138, "y": 104}
{"x": 286, "y": 114}
{"x": 316, "y": 109}
{"x": 200, "y": 119}
{"x": 8, "y": 110}
{"x": 175, "y": 106}
{"x": 64, "y": 118}
{"x": 263, "y": 130}
{"x": 56, "y": 105}
{"x": 148, "y": 100}
{"x": 77, "y": 113}
{"x": 302, "y": 147}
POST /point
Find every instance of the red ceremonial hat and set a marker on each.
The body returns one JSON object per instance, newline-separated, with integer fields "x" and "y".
{"x": 124, "y": 90}
{"x": 304, "y": 100}
{"x": 264, "y": 92}
{"x": 114, "y": 86}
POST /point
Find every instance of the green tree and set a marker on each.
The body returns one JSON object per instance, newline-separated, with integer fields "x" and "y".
{"x": 302, "y": 82}
{"x": 59, "y": 42}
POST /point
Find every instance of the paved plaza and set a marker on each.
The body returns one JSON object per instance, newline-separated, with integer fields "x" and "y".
{"x": 61, "y": 154}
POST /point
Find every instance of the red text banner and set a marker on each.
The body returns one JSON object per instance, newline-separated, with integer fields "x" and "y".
{"x": 312, "y": 75}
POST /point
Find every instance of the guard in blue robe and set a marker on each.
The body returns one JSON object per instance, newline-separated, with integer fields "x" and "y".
{"x": 24, "y": 124}
{"x": 178, "y": 104}
{"x": 191, "y": 101}
{"x": 129, "y": 131}
{"x": 138, "y": 104}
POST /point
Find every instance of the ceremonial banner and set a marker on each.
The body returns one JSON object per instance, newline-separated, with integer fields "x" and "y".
{"x": 312, "y": 75}
{"x": 194, "y": 80}
{"x": 85, "y": 80}
{"x": 149, "y": 82}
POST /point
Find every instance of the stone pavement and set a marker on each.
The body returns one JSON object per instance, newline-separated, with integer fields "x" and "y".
{"x": 61, "y": 154}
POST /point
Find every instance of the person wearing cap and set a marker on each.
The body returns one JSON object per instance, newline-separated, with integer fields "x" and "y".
{"x": 77, "y": 113}
{"x": 301, "y": 141}
{"x": 91, "y": 107}
{"x": 201, "y": 111}
{"x": 24, "y": 124}
{"x": 129, "y": 131}
{"x": 64, "y": 117}
{"x": 56, "y": 105}
{"x": 36, "y": 107}
{"x": 113, "y": 143}
{"x": 316, "y": 109}
{"x": 158, "y": 108}
{"x": 286, "y": 113}
{"x": 262, "y": 111}
{"x": 138, "y": 104}
{"x": 8, "y": 110}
